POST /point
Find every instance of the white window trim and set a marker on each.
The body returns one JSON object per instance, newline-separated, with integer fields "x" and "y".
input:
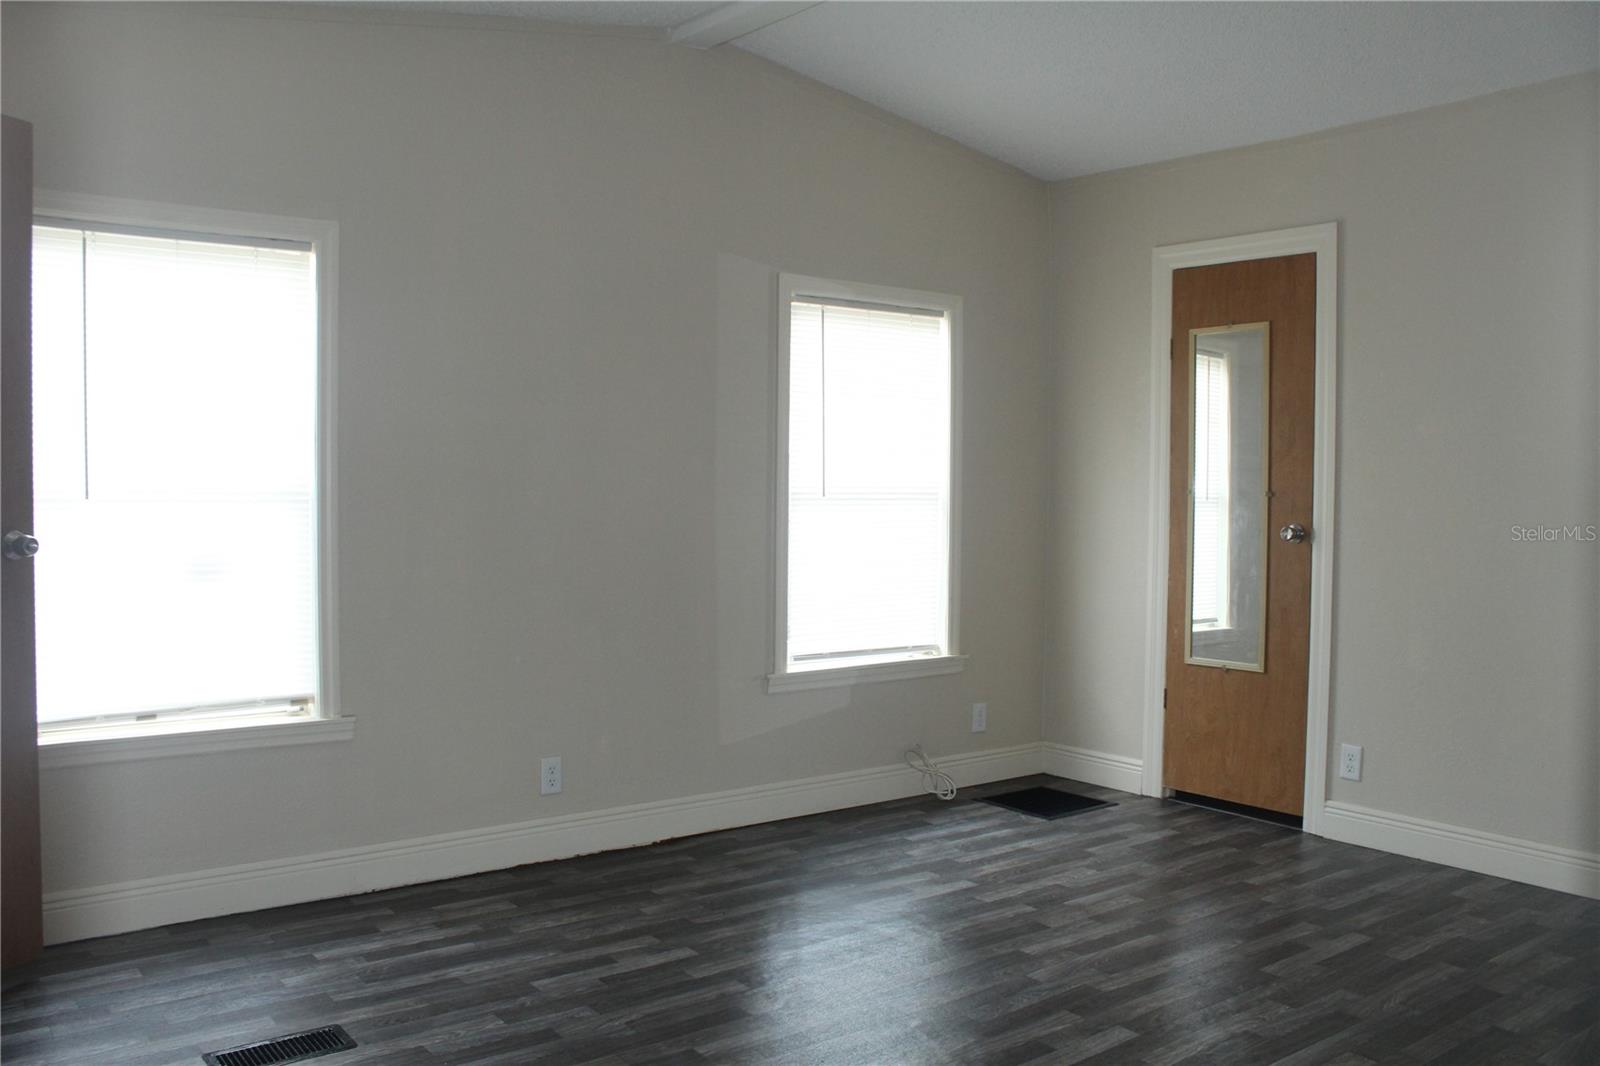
{"x": 842, "y": 676}
{"x": 105, "y": 745}
{"x": 116, "y": 743}
{"x": 782, "y": 679}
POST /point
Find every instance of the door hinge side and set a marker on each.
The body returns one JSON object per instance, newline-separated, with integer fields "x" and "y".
{"x": 1163, "y": 699}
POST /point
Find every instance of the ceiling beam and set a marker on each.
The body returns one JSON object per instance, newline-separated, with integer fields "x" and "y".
{"x": 732, "y": 21}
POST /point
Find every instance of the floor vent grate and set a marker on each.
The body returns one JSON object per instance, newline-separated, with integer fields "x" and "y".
{"x": 1048, "y": 803}
{"x": 311, "y": 1044}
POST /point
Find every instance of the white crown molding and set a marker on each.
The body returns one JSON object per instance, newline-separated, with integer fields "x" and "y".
{"x": 1530, "y": 862}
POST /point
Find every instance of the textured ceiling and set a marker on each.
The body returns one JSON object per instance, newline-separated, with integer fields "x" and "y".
{"x": 1065, "y": 89}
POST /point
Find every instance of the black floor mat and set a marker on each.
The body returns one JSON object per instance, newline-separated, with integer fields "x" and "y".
{"x": 1044, "y": 802}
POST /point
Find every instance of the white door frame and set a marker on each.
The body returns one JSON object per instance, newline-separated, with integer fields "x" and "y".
{"x": 1324, "y": 241}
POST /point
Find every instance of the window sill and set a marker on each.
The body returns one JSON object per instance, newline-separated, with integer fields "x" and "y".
{"x": 84, "y": 748}
{"x": 866, "y": 674}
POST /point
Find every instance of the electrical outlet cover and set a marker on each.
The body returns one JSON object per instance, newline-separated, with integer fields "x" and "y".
{"x": 1350, "y": 762}
{"x": 550, "y": 775}
{"x": 980, "y": 717}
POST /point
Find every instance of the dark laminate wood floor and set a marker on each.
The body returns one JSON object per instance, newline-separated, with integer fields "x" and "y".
{"x": 910, "y": 932}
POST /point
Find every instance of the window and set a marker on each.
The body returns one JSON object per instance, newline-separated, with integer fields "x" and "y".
{"x": 177, "y": 449}
{"x": 866, "y": 545}
{"x": 1211, "y": 511}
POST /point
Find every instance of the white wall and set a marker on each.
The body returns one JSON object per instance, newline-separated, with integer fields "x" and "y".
{"x": 558, "y": 255}
{"x": 1464, "y": 660}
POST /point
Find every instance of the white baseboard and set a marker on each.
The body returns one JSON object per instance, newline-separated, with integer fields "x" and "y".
{"x": 77, "y": 914}
{"x": 1094, "y": 767}
{"x": 1527, "y": 861}
{"x": 1530, "y": 862}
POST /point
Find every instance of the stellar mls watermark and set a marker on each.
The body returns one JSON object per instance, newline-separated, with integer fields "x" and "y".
{"x": 1553, "y": 534}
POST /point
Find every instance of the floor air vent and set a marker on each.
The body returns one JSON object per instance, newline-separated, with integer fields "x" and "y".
{"x": 1049, "y": 803}
{"x": 311, "y": 1044}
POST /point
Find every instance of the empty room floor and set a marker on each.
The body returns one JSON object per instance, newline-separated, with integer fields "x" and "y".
{"x": 907, "y": 932}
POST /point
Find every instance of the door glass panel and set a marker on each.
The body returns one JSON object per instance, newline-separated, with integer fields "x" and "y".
{"x": 1228, "y": 496}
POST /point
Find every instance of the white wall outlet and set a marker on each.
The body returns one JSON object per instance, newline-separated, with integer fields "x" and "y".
{"x": 1350, "y": 762}
{"x": 550, "y": 775}
{"x": 980, "y": 717}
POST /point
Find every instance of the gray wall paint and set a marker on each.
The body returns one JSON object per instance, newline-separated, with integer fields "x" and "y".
{"x": 558, "y": 258}
{"x": 558, "y": 255}
{"x": 1464, "y": 660}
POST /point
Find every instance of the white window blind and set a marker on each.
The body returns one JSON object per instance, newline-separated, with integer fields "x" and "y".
{"x": 1211, "y": 463}
{"x": 869, "y": 484}
{"x": 175, "y": 398}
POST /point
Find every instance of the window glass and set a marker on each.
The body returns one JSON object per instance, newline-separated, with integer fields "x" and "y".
{"x": 175, "y": 419}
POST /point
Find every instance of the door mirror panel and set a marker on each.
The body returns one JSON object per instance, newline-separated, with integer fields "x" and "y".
{"x": 1229, "y": 369}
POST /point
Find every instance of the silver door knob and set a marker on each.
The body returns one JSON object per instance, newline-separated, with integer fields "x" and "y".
{"x": 1294, "y": 533}
{"x": 20, "y": 545}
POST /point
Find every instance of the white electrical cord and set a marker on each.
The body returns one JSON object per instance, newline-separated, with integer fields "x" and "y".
{"x": 935, "y": 780}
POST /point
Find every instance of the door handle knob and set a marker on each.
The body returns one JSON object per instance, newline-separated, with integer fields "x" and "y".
{"x": 20, "y": 545}
{"x": 1294, "y": 533}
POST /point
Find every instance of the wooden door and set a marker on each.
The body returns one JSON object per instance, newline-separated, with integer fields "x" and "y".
{"x": 1243, "y": 392}
{"x": 21, "y": 920}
